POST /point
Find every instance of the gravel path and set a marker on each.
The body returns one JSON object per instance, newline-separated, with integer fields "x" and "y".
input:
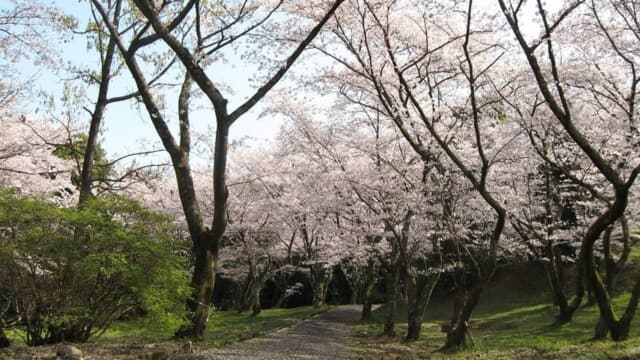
{"x": 321, "y": 337}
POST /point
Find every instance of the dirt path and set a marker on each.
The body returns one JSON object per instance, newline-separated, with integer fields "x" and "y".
{"x": 322, "y": 337}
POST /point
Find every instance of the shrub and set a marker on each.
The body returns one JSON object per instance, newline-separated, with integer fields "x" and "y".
{"x": 72, "y": 271}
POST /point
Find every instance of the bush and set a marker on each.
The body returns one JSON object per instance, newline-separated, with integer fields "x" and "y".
{"x": 70, "y": 272}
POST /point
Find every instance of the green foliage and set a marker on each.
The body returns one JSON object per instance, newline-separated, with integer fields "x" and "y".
{"x": 75, "y": 149}
{"x": 71, "y": 272}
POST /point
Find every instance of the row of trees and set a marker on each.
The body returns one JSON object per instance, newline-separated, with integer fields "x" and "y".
{"x": 458, "y": 134}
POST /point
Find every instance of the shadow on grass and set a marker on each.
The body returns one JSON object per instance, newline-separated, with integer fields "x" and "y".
{"x": 511, "y": 321}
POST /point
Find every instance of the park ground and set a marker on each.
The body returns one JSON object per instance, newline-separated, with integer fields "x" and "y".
{"x": 513, "y": 321}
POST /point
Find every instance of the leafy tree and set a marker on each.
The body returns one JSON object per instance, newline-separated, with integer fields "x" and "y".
{"x": 67, "y": 287}
{"x": 75, "y": 150}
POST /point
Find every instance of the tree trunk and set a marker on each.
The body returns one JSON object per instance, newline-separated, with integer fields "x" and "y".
{"x": 393, "y": 282}
{"x": 618, "y": 326}
{"x": 4, "y": 340}
{"x": 320, "y": 279}
{"x": 601, "y": 330}
{"x": 256, "y": 308}
{"x": 556, "y": 283}
{"x": 420, "y": 289}
{"x": 86, "y": 179}
{"x": 457, "y": 336}
{"x": 247, "y": 292}
{"x": 613, "y": 269}
{"x": 368, "y": 291}
{"x": 202, "y": 283}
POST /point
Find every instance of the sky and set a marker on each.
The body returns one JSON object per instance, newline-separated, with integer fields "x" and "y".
{"x": 127, "y": 127}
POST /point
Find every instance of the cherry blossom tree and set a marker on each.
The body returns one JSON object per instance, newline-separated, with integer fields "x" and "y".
{"x": 28, "y": 163}
{"x": 414, "y": 72}
{"x": 28, "y": 30}
{"x": 209, "y": 25}
{"x": 27, "y": 159}
{"x": 386, "y": 215}
{"x": 602, "y": 96}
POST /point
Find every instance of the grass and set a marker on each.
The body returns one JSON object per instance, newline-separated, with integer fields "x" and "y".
{"x": 225, "y": 327}
{"x": 137, "y": 339}
{"x": 513, "y": 320}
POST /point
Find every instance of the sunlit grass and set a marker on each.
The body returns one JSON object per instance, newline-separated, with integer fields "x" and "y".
{"x": 508, "y": 323}
{"x": 225, "y": 327}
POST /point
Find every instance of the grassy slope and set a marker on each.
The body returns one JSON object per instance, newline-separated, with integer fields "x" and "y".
{"x": 134, "y": 339}
{"x": 225, "y": 327}
{"x": 513, "y": 320}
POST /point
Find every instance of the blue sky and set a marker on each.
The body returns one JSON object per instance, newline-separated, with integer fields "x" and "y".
{"x": 125, "y": 125}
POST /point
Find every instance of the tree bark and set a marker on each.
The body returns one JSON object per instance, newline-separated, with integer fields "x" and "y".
{"x": 565, "y": 308}
{"x": 391, "y": 303}
{"x": 368, "y": 291}
{"x": 202, "y": 283}
{"x": 320, "y": 278}
{"x": 256, "y": 307}
{"x": 420, "y": 289}
{"x": 612, "y": 270}
{"x": 456, "y": 338}
{"x": 4, "y": 340}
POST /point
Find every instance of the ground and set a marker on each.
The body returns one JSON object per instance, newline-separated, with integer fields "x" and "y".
{"x": 514, "y": 320}
{"x": 325, "y": 336}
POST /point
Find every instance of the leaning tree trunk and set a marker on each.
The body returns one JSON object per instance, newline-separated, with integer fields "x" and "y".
{"x": 368, "y": 291}
{"x": 618, "y": 326}
{"x": 456, "y": 337}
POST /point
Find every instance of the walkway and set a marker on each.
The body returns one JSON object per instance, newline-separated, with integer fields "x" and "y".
{"x": 322, "y": 337}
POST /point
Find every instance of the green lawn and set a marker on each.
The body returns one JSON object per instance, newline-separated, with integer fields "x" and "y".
{"x": 137, "y": 339}
{"x": 513, "y": 320}
{"x": 225, "y": 327}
